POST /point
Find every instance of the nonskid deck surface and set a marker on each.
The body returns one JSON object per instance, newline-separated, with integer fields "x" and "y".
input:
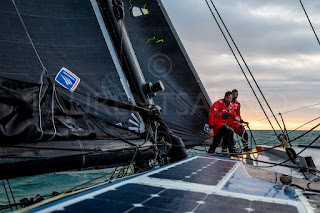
{"x": 198, "y": 184}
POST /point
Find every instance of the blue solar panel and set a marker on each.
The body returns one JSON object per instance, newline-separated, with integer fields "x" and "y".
{"x": 216, "y": 203}
{"x": 136, "y": 197}
{"x": 140, "y": 188}
{"x": 171, "y": 204}
{"x": 96, "y": 205}
{"x": 200, "y": 170}
{"x": 222, "y": 200}
{"x": 272, "y": 207}
{"x": 216, "y": 207}
{"x": 143, "y": 198}
{"x": 146, "y": 209}
{"x": 187, "y": 195}
{"x": 123, "y": 196}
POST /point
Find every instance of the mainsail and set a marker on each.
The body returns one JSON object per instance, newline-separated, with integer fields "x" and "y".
{"x": 37, "y": 39}
{"x": 65, "y": 34}
{"x": 184, "y": 102}
{"x": 108, "y": 117}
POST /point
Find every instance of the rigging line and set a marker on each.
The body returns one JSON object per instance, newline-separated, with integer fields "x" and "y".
{"x": 272, "y": 163}
{"x": 310, "y": 22}
{"x": 44, "y": 70}
{"x": 293, "y": 130}
{"x": 114, "y": 103}
{"x": 14, "y": 200}
{"x": 52, "y": 112}
{"x": 279, "y": 164}
{"x": 241, "y": 67}
{"x": 264, "y": 150}
{"x": 252, "y": 136}
{"x": 57, "y": 99}
{"x": 134, "y": 156}
{"x": 112, "y": 173}
{"x": 29, "y": 37}
{"x": 284, "y": 127}
{"x": 124, "y": 140}
{"x": 73, "y": 188}
{"x": 303, "y": 125}
{"x": 246, "y": 65}
{"x": 39, "y": 106}
{"x": 5, "y": 188}
{"x": 90, "y": 151}
{"x": 309, "y": 145}
{"x": 304, "y": 133}
{"x": 292, "y": 110}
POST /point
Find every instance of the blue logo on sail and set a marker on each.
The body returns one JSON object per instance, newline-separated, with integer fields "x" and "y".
{"x": 206, "y": 128}
{"x": 67, "y": 79}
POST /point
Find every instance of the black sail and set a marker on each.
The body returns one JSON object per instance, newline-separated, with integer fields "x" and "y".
{"x": 185, "y": 103}
{"x": 43, "y": 126}
{"x": 65, "y": 34}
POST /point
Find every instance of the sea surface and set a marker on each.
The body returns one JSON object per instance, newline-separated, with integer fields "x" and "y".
{"x": 44, "y": 185}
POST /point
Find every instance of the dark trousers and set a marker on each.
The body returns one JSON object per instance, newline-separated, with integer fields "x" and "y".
{"x": 227, "y": 133}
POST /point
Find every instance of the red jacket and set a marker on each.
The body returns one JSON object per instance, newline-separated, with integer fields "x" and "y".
{"x": 235, "y": 117}
{"x": 220, "y": 114}
{"x": 236, "y": 107}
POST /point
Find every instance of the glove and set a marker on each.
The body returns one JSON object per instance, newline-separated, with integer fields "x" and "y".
{"x": 225, "y": 115}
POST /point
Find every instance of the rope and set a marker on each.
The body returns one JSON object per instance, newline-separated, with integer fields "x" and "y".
{"x": 315, "y": 34}
{"x": 252, "y": 138}
{"x": 240, "y": 66}
{"x": 117, "y": 104}
{"x": 52, "y": 112}
{"x": 14, "y": 200}
{"x": 134, "y": 156}
{"x": 112, "y": 173}
{"x": 279, "y": 164}
{"x": 304, "y": 124}
{"x": 90, "y": 151}
{"x": 293, "y": 110}
{"x": 73, "y": 188}
{"x": 295, "y": 130}
{"x": 44, "y": 70}
{"x": 39, "y": 105}
{"x": 309, "y": 145}
{"x": 4, "y": 186}
{"x": 304, "y": 133}
{"x": 124, "y": 140}
{"x": 246, "y": 65}
{"x": 29, "y": 37}
{"x": 284, "y": 127}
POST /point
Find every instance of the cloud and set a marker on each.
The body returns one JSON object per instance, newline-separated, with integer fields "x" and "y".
{"x": 276, "y": 41}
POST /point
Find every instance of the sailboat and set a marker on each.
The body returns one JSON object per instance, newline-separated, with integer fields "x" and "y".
{"x": 92, "y": 83}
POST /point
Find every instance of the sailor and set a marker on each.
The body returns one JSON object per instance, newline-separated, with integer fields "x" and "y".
{"x": 236, "y": 123}
{"x": 218, "y": 119}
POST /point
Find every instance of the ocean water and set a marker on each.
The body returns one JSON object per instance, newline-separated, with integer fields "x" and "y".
{"x": 44, "y": 185}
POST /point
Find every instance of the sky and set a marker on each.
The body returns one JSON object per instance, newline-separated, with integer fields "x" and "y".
{"x": 276, "y": 41}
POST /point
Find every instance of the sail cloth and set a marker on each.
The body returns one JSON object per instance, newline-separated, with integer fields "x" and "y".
{"x": 65, "y": 34}
{"x": 185, "y": 103}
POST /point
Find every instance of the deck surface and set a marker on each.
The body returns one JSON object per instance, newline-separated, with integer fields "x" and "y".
{"x": 198, "y": 184}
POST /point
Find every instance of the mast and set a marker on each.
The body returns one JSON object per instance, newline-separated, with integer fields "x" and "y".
{"x": 113, "y": 13}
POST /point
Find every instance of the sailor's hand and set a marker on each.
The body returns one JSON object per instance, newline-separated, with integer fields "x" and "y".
{"x": 210, "y": 133}
{"x": 246, "y": 123}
